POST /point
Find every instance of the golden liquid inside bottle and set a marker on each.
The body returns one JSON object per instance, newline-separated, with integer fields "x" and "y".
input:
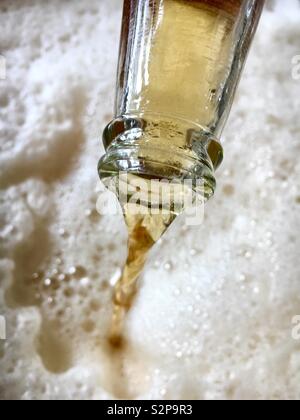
{"x": 185, "y": 57}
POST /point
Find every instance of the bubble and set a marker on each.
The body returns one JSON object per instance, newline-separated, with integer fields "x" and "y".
{"x": 179, "y": 355}
{"x": 54, "y": 272}
{"x": 10, "y": 370}
{"x": 168, "y": 266}
{"x": 195, "y": 327}
{"x": 228, "y": 190}
{"x": 156, "y": 264}
{"x": 248, "y": 255}
{"x": 271, "y": 274}
{"x": 62, "y": 232}
{"x": 60, "y": 313}
{"x": 189, "y": 352}
{"x": 88, "y": 326}
{"x": 205, "y": 327}
{"x": 92, "y": 215}
{"x": 95, "y": 305}
{"x": 115, "y": 278}
{"x": 8, "y": 230}
{"x": 50, "y": 300}
{"x": 160, "y": 241}
{"x": 77, "y": 272}
{"x": 96, "y": 258}
{"x": 69, "y": 292}
{"x": 104, "y": 286}
{"x": 185, "y": 228}
{"x": 242, "y": 277}
{"x": 163, "y": 392}
{"x": 263, "y": 194}
{"x": 84, "y": 282}
{"x": 48, "y": 282}
{"x": 72, "y": 271}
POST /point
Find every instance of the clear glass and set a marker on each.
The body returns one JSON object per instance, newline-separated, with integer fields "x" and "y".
{"x": 179, "y": 66}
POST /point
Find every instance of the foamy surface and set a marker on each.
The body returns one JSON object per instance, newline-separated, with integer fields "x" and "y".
{"x": 213, "y": 317}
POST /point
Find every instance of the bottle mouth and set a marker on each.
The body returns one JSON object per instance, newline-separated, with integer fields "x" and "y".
{"x": 133, "y": 147}
{"x": 144, "y": 163}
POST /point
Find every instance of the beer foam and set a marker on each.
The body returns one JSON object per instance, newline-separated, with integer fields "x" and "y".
{"x": 213, "y": 317}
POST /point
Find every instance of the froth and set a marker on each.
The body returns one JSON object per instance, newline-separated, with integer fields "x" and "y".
{"x": 213, "y": 315}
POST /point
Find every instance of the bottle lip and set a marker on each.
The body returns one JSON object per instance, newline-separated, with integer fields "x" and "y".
{"x": 131, "y": 124}
{"x": 130, "y": 148}
{"x": 129, "y": 159}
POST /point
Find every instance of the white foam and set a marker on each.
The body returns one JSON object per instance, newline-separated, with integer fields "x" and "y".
{"x": 213, "y": 318}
